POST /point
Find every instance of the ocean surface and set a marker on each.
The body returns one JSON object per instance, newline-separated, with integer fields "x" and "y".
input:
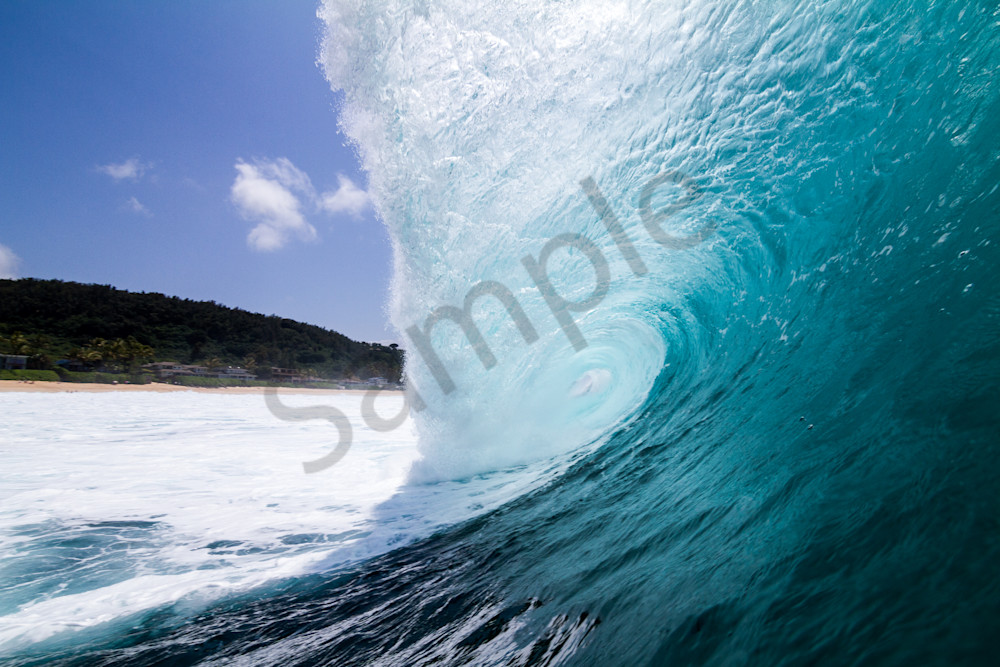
{"x": 702, "y": 312}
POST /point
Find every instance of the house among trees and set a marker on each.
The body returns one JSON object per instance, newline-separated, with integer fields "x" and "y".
{"x": 13, "y": 362}
{"x": 167, "y": 370}
{"x": 236, "y": 373}
{"x": 285, "y": 375}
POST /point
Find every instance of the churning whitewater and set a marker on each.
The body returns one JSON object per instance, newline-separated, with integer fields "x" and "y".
{"x": 729, "y": 394}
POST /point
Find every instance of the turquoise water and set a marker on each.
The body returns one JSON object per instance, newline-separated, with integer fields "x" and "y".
{"x": 778, "y": 444}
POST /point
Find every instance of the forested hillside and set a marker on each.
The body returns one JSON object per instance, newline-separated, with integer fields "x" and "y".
{"x": 53, "y": 319}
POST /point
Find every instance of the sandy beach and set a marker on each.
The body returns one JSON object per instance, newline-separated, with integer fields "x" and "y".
{"x": 69, "y": 387}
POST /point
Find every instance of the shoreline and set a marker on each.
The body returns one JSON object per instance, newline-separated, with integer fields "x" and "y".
{"x": 44, "y": 387}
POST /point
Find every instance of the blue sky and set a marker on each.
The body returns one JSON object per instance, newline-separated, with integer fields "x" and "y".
{"x": 189, "y": 148}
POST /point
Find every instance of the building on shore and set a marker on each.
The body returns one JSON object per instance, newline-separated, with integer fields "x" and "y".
{"x": 168, "y": 370}
{"x": 235, "y": 373}
{"x": 13, "y": 362}
{"x": 285, "y": 375}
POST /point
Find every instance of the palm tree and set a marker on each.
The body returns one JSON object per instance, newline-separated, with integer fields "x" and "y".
{"x": 213, "y": 363}
{"x": 95, "y": 353}
{"x": 17, "y": 343}
{"x": 86, "y": 356}
{"x": 250, "y": 363}
{"x": 132, "y": 353}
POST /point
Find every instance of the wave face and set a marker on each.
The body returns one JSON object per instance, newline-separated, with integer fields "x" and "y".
{"x": 778, "y": 444}
{"x": 796, "y": 409}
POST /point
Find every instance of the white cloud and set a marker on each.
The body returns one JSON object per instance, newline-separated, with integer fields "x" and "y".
{"x": 263, "y": 192}
{"x": 348, "y": 198}
{"x": 9, "y": 262}
{"x": 273, "y": 194}
{"x": 136, "y": 206}
{"x": 131, "y": 170}
{"x": 286, "y": 173}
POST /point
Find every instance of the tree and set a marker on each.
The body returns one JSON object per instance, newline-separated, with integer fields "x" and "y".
{"x": 213, "y": 363}
{"x": 89, "y": 355}
{"x": 16, "y": 343}
{"x": 38, "y": 359}
{"x": 250, "y": 363}
{"x": 95, "y": 353}
{"x": 72, "y": 316}
{"x": 121, "y": 354}
{"x": 132, "y": 353}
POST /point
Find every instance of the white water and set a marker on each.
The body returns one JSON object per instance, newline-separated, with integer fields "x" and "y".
{"x": 200, "y": 469}
{"x": 116, "y": 505}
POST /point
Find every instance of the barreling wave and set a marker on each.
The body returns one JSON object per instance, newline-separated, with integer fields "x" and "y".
{"x": 477, "y": 128}
{"x": 803, "y": 128}
{"x": 782, "y": 394}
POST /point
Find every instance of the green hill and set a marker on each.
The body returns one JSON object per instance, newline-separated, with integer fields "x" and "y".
{"x": 53, "y": 319}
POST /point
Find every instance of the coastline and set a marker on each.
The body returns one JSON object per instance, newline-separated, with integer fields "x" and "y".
{"x": 11, "y": 386}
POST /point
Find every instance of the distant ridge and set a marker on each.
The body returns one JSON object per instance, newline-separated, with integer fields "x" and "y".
{"x": 56, "y": 317}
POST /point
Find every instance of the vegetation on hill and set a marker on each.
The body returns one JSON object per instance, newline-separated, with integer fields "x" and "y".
{"x": 50, "y": 320}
